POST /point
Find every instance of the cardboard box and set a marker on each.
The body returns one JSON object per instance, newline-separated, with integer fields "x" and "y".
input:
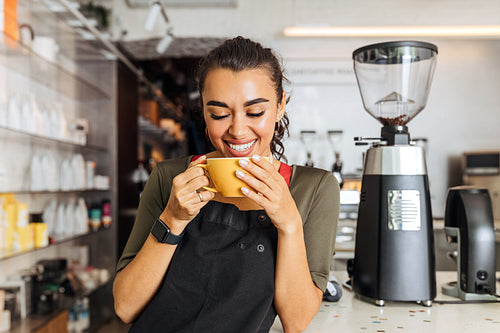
{"x": 149, "y": 109}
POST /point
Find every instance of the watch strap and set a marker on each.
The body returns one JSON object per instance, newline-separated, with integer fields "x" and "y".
{"x": 163, "y": 233}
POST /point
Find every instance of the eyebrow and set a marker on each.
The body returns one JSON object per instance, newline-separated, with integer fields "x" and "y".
{"x": 217, "y": 103}
{"x": 256, "y": 101}
{"x": 248, "y": 103}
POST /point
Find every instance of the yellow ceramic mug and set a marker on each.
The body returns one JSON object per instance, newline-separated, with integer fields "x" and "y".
{"x": 222, "y": 172}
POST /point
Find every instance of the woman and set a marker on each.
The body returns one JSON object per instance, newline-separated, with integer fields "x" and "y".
{"x": 231, "y": 264}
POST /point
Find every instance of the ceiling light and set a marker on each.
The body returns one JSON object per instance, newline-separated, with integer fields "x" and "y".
{"x": 393, "y": 31}
{"x": 153, "y": 14}
{"x": 156, "y": 9}
{"x": 164, "y": 43}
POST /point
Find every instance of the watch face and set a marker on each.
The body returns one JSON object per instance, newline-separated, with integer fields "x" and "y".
{"x": 159, "y": 230}
{"x": 162, "y": 233}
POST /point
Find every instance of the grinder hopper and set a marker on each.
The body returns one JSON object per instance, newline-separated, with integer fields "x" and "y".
{"x": 394, "y": 79}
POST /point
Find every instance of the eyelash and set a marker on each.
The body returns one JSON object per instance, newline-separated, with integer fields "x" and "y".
{"x": 215, "y": 117}
{"x": 255, "y": 114}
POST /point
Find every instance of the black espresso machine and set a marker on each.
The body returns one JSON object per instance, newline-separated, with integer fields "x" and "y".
{"x": 394, "y": 252}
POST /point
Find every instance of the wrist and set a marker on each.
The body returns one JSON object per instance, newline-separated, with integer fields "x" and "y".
{"x": 176, "y": 226}
{"x": 163, "y": 234}
{"x": 290, "y": 229}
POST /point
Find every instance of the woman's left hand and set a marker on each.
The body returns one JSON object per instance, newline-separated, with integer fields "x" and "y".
{"x": 269, "y": 190}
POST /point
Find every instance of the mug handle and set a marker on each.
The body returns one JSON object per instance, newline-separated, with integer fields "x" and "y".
{"x": 211, "y": 189}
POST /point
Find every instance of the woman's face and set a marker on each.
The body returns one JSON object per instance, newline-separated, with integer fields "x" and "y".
{"x": 240, "y": 110}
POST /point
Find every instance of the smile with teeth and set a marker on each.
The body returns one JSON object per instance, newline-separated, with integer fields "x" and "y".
{"x": 243, "y": 147}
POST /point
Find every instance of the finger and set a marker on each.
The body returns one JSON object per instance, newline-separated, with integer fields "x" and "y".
{"x": 188, "y": 182}
{"x": 193, "y": 171}
{"x": 191, "y": 199}
{"x": 204, "y": 196}
{"x": 191, "y": 203}
{"x": 259, "y": 199}
{"x": 257, "y": 170}
{"x": 263, "y": 163}
{"x": 255, "y": 184}
{"x": 197, "y": 183}
{"x": 200, "y": 160}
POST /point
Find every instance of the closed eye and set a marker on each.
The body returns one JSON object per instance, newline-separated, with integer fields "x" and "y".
{"x": 255, "y": 114}
{"x": 216, "y": 117}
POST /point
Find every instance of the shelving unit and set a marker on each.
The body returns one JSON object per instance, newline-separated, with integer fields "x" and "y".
{"x": 79, "y": 82}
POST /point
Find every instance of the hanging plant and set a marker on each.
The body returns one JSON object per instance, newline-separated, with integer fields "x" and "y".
{"x": 98, "y": 12}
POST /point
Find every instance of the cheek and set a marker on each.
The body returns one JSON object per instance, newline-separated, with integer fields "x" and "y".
{"x": 215, "y": 128}
{"x": 266, "y": 127}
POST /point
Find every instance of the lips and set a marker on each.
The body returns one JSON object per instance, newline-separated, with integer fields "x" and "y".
{"x": 241, "y": 147}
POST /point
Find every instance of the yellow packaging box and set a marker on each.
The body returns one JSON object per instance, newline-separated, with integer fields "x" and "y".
{"x": 40, "y": 234}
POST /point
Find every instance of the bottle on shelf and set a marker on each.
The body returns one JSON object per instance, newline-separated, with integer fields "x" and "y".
{"x": 140, "y": 177}
{"x": 95, "y": 214}
{"x": 106, "y": 213}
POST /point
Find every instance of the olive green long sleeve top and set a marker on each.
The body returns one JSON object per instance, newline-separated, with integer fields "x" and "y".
{"x": 315, "y": 191}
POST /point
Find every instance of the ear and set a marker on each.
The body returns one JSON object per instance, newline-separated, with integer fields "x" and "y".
{"x": 281, "y": 108}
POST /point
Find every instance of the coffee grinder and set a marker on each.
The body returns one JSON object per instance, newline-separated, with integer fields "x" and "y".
{"x": 394, "y": 251}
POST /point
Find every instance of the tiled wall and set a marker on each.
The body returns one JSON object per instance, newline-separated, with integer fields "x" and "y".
{"x": 462, "y": 112}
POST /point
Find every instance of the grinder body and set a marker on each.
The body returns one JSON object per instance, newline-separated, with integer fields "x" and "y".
{"x": 394, "y": 251}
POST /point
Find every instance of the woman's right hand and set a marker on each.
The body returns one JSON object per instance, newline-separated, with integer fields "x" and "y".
{"x": 186, "y": 198}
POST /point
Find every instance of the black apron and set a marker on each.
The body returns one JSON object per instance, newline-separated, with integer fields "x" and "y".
{"x": 221, "y": 277}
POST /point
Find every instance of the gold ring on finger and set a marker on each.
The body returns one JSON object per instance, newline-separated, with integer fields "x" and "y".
{"x": 200, "y": 195}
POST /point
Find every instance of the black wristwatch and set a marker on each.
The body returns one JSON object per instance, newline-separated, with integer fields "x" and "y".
{"x": 163, "y": 234}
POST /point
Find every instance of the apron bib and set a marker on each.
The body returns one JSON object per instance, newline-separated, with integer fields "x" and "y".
{"x": 221, "y": 277}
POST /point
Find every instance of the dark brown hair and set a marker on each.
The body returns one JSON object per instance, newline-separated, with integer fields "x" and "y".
{"x": 238, "y": 54}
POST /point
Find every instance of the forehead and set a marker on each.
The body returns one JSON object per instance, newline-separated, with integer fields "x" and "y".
{"x": 252, "y": 83}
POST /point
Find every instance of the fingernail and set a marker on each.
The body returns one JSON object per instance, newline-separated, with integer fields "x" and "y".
{"x": 244, "y": 190}
{"x": 256, "y": 158}
{"x": 243, "y": 162}
{"x": 240, "y": 174}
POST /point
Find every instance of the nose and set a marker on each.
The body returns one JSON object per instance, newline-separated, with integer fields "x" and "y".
{"x": 238, "y": 127}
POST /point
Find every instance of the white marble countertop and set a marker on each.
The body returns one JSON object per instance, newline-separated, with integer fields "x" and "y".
{"x": 352, "y": 314}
